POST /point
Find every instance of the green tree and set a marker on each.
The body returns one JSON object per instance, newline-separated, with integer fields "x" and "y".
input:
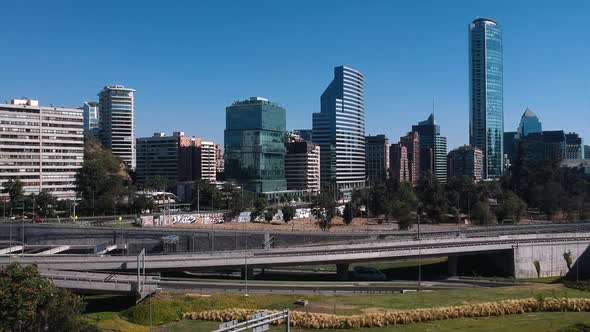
{"x": 30, "y": 302}
{"x": 512, "y": 207}
{"x": 567, "y": 256}
{"x": 288, "y": 213}
{"x": 348, "y": 213}
{"x": 14, "y": 189}
{"x": 156, "y": 183}
{"x": 430, "y": 193}
{"x": 481, "y": 213}
{"x": 324, "y": 210}
{"x": 45, "y": 204}
{"x": 260, "y": 205}
{"x": 143, "y": 203}
{"x": 403, "y": 213}
{"x": 269, "y": 214}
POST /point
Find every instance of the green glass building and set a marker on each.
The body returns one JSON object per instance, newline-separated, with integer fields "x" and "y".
{"x": 254, "y": 141}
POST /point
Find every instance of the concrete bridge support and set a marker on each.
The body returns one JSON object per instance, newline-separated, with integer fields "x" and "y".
{"x": 342, "y": 272}
{"x": 452, "y": 263}
{"x": 551, "y": 259}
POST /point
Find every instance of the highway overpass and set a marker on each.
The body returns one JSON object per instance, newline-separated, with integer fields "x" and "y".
{"x": 516, "y": 252}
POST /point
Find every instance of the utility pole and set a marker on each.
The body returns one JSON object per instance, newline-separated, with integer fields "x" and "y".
{"x": 22, "y": 253}
{"x": 419, "y": 250}
{"x": 199, "y": 197}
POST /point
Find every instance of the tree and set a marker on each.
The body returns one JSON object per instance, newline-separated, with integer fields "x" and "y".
{"x": 269, "y": 214}
{"x": 348, "y": 213}
{"x": 14, "y": 189}
{"x": 537, "y": 265}
{"x": 235, "y": 204}
{"x": 143, "y": 203}
{"x": 567, "y": 256}
{"x": 30, "y": 302}
{"x": 512, "y": 207}
{"x": 156, "y": 183}
{"x": 324, "y": 210}
{"x": 288, "y": 213}
{"x": 402, "y": 212}
{"x": 481, "y": 213}
{"x": 260, "y": 205}
{"x": 431, "y": 194}
{"x": 45, "y": 204}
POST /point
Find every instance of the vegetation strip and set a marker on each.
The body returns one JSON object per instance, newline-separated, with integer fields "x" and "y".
{"x": 396, "y": 317}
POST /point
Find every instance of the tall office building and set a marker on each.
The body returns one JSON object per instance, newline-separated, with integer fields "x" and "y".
{"x": 486, "y": 102}
{"x": 412, "y": 143}
{"x": 91, "y": 118}
{"x": 117, "y": 122}
{"x": 255, "y": 145}
{"x": 43, "y": 147}
{"x": 586, "y": 151}
{"x": 433, "y": 148}
{"x": 305, "y": 134}
{"x": 529, "y": 123}
{"x": 302, "y": 165}
{"x": 339, "y": 129}
{"x": 398, "y": 164}
{"x": 465, "y": 161}
{"x": 377, "y": 158}
{"x": 177, "y": 158}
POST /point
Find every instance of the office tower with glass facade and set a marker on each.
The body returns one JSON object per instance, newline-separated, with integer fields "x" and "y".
{"x": 255, "y": 145}
{"x": 43, "y": 147}
{"x": 117, "y": 122}
{"x": 91, "y": 118}
{"x": 574, "y": 146}
{"x": 377, "y": 158}
{"x": 305, "y": 134}
{"x": 586, "y": 151}
{"x": 529, "y": 123}
{"x": 465, "y": 161}
{"x": 433, "y": 148}
{"x": 339, "y": 130}
{"x": 486, "y": 100}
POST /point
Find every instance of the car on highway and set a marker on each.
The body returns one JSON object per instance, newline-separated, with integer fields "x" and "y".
{"x": 363, "y": 273}
{"x": 38, "y": 220}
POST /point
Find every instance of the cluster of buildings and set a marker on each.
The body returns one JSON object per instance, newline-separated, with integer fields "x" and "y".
{"x": 44, "y": 146}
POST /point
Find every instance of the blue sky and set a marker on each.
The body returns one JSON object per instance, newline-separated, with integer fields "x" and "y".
{"x": 190, "y": 59}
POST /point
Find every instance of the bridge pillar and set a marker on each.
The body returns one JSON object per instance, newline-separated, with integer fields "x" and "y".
{"x": 250, "y": 272}
{"x": 452, "y": 265}
{"x": 342, "y": 272}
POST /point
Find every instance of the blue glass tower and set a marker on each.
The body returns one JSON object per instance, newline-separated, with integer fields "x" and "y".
{"x": 486, "y": 102}
{"x": 529, "y": 123}
{"x": 339, "y": 130}
{"x": 255, "y": 145}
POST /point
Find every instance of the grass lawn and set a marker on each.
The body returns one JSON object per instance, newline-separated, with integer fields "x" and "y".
{"x": 110, "y": 313}
{"x": 546, "y": 321}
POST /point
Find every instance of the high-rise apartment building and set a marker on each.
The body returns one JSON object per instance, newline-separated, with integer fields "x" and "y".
{"x": 177, "y": 158}
{"x": 433, "y": 148}
{"x": 377, "y": 158}
{"x": 412, "y": 143}
{"x": 486, "y": 102}
{"x": 339, "y": 130}
{"x": 302, "y": 165}
{"x": 219, "y": 159}
{"x": 117, "y": 122}
{"x": 529, "y": 123}
{"x": 43, "y": 147}
{"x": 255, "y": 145}
{"x": 465, "y": 161}
{"x": 91, "y": 118}
{"x": 398, "y": 164}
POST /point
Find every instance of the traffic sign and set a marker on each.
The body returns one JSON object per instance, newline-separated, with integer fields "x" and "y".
{"x": 120, "y": 218}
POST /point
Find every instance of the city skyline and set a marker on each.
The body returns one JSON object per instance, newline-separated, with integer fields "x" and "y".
{"x": 401, "y": 81}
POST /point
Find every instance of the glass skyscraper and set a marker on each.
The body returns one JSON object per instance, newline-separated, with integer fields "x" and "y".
{"x": 529, "y": 123}
{"x": 433, "y": 148}
{"x": 339, "y": 130}
{"x": 486, "y": 102}
{"x": 255, "y": 145}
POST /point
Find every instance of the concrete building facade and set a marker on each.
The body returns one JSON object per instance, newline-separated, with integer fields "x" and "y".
{"x": 465, "y": 161}
{"x": 117, "y": 122}
{"x": 177, "y": 158}
{"x": 302, "y": 166}
{"x": 398, "y": 163}
{"x": 377, "y": 158}
{"x": 412, "y": 143}
{"x": 41, "y": 146}
{"x": 339, "y": 130}
{"x": 433, "y": 149}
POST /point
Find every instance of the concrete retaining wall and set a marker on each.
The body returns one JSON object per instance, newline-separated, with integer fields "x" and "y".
{"x": 550, "y": 257}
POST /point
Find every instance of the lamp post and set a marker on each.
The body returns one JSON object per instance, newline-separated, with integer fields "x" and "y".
{"x": 419, "y": 210}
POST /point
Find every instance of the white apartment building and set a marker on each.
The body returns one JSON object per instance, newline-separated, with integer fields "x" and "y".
{"x": 41, "y": 146}
{"x": 208, "y": 161}
{"x": 302, "y": 166}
